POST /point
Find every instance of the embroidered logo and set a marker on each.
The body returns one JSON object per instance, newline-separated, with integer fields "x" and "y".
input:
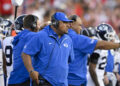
{"x": 50, "y": 43}
{"x": 25, "y": 46}
{"x": 65, "y": 45}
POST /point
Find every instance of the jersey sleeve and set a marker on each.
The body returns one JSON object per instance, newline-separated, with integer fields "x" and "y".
{"x": 94, "y": 58}
{"x": 33, "y": 46}
{"x": 86, "y": 44}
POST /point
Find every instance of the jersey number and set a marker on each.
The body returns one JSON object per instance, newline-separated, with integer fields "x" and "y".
{"x": 8, "y": 55}
{"x": 102, "y": 65}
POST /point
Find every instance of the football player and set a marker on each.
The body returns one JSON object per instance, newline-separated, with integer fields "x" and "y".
{"x": 98, "y": 59}
{"x": 1, "y": 66}
{"x": 7, "y": 44}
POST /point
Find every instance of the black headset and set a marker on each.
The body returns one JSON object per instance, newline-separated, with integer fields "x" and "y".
{"x": 34, "y": 23}
{"x": 54, "y": 21}
{"x": 86, "y": 32}
{"x": 73, "y": 17}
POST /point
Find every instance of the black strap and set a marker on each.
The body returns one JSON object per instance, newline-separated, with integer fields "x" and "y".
{"x": 82, "y": 85}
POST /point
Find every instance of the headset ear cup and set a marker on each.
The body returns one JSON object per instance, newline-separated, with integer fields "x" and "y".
{"x": 55, "y": 22}
{"x": 33, "y": 26}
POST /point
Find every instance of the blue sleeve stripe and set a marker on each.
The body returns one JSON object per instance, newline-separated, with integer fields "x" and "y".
{"x": 0, "y": 45}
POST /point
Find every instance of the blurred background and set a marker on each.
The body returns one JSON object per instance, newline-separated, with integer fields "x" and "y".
{"x": 92, "y": 12}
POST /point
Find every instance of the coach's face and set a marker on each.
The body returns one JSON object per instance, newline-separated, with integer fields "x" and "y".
{"x": 78, "y": 25}
{"x": 63, "y": 27}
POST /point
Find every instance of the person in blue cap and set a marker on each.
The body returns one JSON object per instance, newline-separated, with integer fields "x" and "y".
{"x": 51, "y": 51}
{"x": 82, "y": 47}
{"x": 19, "y": 75}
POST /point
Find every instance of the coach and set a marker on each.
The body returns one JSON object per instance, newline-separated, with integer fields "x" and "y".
{"x": 52, "y": 50}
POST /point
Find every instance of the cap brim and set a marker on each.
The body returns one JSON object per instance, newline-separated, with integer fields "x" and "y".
{"x": 67, "y": 20}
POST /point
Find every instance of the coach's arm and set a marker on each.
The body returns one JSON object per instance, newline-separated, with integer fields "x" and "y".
{"x": 107, "y": 45}
{"x": 28, "y": 64}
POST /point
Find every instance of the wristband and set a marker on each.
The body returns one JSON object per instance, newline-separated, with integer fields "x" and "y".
{"x": 31, "y": 71}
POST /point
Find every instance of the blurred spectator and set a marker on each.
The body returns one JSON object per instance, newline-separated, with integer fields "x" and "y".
{"x": 47, "y": 15}
{"x": 5, "y": 8}
{"x": 115, "y": 19}
{"x": 92, "y": 12}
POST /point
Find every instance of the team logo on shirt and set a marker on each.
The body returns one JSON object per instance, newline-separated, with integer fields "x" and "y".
{"x": 65, "y": 45}
{"x": 25, "y": 46}
{"x": 50, "y": 43}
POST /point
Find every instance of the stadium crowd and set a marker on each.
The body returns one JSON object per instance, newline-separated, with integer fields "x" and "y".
{"x": 60, "y": 43}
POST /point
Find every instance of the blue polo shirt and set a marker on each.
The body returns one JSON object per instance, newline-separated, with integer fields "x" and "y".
{"x": 19, "y": 73}
{"x": 51, "y": 55}
{"x": 78, "y": 68}
{"x": 110, "y": 62}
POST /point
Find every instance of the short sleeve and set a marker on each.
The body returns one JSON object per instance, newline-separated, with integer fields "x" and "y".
{"x": 86, "y": 44}
{"x": 33, "y": 46}
{"x": 94, "y": 58}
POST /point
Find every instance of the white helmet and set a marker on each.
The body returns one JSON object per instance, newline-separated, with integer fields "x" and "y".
{"x": 106, "y": 32}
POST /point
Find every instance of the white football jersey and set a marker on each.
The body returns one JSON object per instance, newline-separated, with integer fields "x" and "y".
{"x": 1, "y": 65}
{"x": 102, "y": 61}
{"x": 116, "y": 61}
{"x": 7, "y": 49}
{"x": 100, "y": 68}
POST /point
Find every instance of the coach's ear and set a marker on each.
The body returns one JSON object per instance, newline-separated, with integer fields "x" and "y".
{"x": 17, "y": 2}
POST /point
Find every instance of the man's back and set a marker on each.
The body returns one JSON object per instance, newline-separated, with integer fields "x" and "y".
{"x": 18, "y": 67}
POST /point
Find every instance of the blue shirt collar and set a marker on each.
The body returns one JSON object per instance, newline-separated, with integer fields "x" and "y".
{"x": 51, "y": 32}
{"x": 26, "y": 30}
{"x": 19, "y": 36}
{"x": 70, "y": 31}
